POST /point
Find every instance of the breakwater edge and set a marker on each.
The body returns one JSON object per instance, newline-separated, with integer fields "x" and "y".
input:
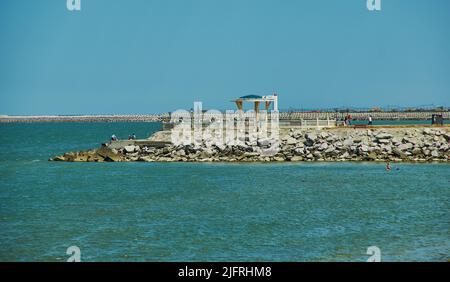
{"x": 397, "y": 144}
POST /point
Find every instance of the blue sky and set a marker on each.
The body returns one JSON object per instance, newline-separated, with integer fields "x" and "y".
{"x": 150, "y": 56}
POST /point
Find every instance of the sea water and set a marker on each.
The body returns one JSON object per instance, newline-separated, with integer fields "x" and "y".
{"x": 210, "y": 211}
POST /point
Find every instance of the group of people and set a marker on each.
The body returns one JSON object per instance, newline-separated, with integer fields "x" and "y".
{"x": 348, "y": 120}
{"x": 130, "y": 137}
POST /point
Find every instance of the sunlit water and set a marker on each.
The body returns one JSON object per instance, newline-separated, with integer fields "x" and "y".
{"x": 217, "y": 212}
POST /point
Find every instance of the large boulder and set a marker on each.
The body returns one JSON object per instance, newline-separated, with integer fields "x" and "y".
{"x": 384, "y": 141}
{"x": 447, "y": 136}
{"x": 405, "y": 147}
{"x": 109, "y": 155}
{"x": 58, "y": 159}
{"x": 396, "y": 141}
{"x": 383, "y": 135}
{"x": 131, "y": 148}
{"x": 323, "y": 146}
{"x": 330, "y": 149}
{"x": 363, "y": 148}
{"x": 348, "y": 142}
{"x": 291, "y": 141}
{"x": 397, "y": 152}
{"x": 311, "y": 137}
{"x": 296, "y": 159}
{"x": 264, "y": 142}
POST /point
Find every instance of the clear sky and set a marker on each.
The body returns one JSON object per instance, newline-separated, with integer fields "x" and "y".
{"x": 151, "y": 56}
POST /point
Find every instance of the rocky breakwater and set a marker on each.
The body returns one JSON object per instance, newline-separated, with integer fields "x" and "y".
{"x": 342, "y": 144}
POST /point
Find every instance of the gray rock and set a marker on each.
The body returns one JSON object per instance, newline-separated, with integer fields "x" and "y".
{"x": 296, "y": 134}
{"x": 397, "y": 152}
{"x": 363, "y": 148}
{"x": 181, "y": 153}
{"x": 416, "y": 151}
{"x": 311, "y": 137}
{"x": 397, "y": 141}
{"x": 331, "y": 138}
{"x": 264, "y": 143}
{"x": 405, "y": 147}
{"x": 317, "y": 154}
{"x": 425, "y": 151}
{"x": 291, "y": 141}
{"x": 345, "y": 155}
{"x": 330, "y": 149}
{"x": 323, "y": 146}
{"x": 447, "y": 136}
{"x": 384, "y": 141}
{"x": 145, "y": 159}
{"x": 348, "y": 142}
{"x": 324, "y": 134}
{"x": 296, "y": 159}
{"x": 131, "y": 148}
{"x": 383, "y": 135}
{"x": 444, "y": 147}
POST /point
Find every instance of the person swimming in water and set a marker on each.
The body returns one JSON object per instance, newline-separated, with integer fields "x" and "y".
{"x": 388, "y": 166}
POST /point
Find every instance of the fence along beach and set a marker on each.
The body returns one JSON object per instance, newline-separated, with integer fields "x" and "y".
{"x": 310, "y": 115}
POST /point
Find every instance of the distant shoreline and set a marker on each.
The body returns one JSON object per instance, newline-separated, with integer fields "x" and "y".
{"x": 83, "y": 118}
{"x": 384, "y": 115}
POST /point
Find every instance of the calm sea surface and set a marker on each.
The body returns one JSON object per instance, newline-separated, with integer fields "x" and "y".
{"x": 217, "y": 212}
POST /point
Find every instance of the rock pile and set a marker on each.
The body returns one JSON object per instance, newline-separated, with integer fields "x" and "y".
{"x": 386, "y": 144}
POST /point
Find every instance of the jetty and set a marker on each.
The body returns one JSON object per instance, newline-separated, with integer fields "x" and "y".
{"x": 256, "y": 136}
{"x": 373, "y": 143}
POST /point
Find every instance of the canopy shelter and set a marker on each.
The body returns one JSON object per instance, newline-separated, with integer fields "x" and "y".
{"x": 267, "y": 100}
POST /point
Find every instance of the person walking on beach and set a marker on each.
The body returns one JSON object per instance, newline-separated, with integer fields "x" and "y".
{"x": 370, "y": 120}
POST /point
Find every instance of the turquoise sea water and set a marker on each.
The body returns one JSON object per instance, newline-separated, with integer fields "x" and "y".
{"x": 217, "y": 212}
